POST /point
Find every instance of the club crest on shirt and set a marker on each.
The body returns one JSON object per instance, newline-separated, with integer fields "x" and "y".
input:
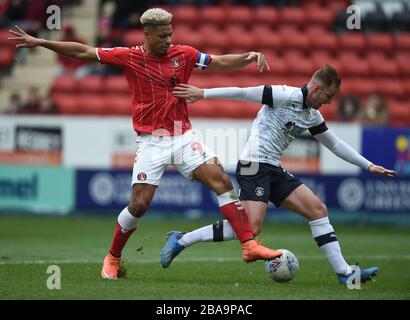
{"x": 175, "y": 63}
{"x": 259, "y": 191}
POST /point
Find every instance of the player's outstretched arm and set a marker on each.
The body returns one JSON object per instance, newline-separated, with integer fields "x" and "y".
{"x": 347, "y": 153}
{"x": 71, "y": 49}
{"x": 381, "y": 170}
{"x": 192, "y": 93}
{"x": 236, "y": 61}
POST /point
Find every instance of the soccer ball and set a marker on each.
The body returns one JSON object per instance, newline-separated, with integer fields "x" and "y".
{"x": 283, "y": 268}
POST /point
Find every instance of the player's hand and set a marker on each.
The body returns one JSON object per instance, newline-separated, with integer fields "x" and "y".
{"x": 188, "y": 92}
{"x": 382, "y": 171}
{"x": 239, "y": 205}
{"x": 24, "y": 40}
{"x": 260, "y": 59}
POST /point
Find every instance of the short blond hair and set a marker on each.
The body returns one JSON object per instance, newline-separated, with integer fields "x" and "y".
{"x": 156, "y": 17}
{"x": 328, "y": 76}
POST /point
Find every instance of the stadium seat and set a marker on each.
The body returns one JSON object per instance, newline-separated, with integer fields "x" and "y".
{"x": 212, "y": 36}
{"x": 118, "y": 105}
{"x": 212, "y": 14}
{"x": 403, "y": 41}
{"x": 116, "y": 85}
{"x": 292, "y": 16}
{"x": 187, "y": 36}
{"x": 266, "y": 38}
{"x": 267, "y": 16}
{"x": 277, "y": 64}
{"x": 321, "y": 39}
{"x": 133, "y": 38}
{"x": 66, "y": 103}
{"x": 239, "y": 38}
{"x": 380, "y": 65}
{"x": 90, "y": 84}
{"x": 319, "y": 15}
{"x": 353, "y": 65}
{"x": 185, "y": 14}
{"x": 240, "y": 14}
{"x": 380, "y": 41}
{"x": 352, "y": 41}
{"x": 392, "y": 88}
{"x": 92, "y": 104}
{"x": 294, "y": 39}
{"x": 399, "y": 114}
{"x": 299, "y": 63}
{"x": 402, "y": 59}
{"x": 322, "y": 57}
{"x": 359, "y": 86}
{"x": 64, "y": 84}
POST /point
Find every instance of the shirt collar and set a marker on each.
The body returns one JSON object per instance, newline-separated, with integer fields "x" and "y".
{"x": 304, "y": 93}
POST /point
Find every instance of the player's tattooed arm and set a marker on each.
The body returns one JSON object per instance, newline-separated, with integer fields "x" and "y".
{"x": 72, "y": 49}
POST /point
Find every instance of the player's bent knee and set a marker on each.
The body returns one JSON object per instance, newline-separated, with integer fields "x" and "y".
{"x": 320, "y": 211}
{"x": 138, "y": 207}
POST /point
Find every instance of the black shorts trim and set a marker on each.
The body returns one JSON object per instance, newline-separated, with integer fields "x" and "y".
{"x": 265, "y": 182}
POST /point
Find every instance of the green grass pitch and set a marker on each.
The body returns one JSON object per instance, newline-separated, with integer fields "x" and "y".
{"x": 29, "y": 244}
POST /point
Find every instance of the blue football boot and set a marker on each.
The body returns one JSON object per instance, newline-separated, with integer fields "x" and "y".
{"x": 172, "y": 248}
{"x": 365, "y": 275}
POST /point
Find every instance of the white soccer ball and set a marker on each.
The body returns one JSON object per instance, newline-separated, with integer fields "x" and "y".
{"x": 283, "y": 268}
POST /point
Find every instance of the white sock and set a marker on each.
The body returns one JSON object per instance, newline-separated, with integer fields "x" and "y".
{"x": 219, "y": 231}
{"x": 325, "y": 238}
{"x": 127, "y": 221}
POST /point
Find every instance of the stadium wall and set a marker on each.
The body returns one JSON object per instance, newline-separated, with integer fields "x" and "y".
{"x": 67, "y": 164}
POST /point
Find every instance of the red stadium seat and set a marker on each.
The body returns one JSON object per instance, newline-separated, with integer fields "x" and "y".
{"x": 187, "y": 36}
{"x": 380, "y": 41}
{"x": 240, "y": 14}
{"x": 90, "y": 84}
{"x": 213, "y": 14}
{"x": 118, "y": 105}
{"x": 133, "y": 38}
{"x": 266, "y": 15}
{"x": 293, "y": 16}
{"x": 391, "y": 88}
{"x": 402, "y": 58}
{"x": 92, "y": 104}
{"x": 353, "y": 65}
{"x": 266, "y": 38}
{"x": 185, "y": 14}
{"x": 203, "y": 109}
{"x": 321, "y": 57}
{"x": 64, "y": 84}
{"x": 359, "y": 86}
{"x": 66, "y": 103}
{"x": 240, "y": 38}
{"x": 399, "y": 114}
{"x": 323, "y": 40}
{"x": 294, "y": 39}
{"x": 319, "y": 15}
{"x": 277, "y": 64}
{"x": 403, "y": 41}
{"x": 380, "y": 65}
{"x": 299, "y": 63}
{"x": 352, "y": 41}
{"x": 212, "y": 36}
{"x": 116, "y": 85}
{"x": 4, "y": 41}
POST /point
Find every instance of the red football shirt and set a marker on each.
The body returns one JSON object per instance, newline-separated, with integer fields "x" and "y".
{"x": 151, "y": 80}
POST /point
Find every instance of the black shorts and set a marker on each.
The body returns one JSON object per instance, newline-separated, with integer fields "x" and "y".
{"x": 264, "y": 183}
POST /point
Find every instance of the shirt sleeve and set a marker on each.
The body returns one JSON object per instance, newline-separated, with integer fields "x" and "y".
{"x": 199, "y": 60}
{"x": 116, "y": 56}
{"x": 275, "y": 96}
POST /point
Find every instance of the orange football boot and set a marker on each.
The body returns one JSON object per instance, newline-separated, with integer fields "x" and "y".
{"x": 111, "y": 267}
{"x": 252, "y": 251}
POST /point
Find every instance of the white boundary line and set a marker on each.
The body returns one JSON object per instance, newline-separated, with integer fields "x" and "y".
{"x": 147, "y": 261}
